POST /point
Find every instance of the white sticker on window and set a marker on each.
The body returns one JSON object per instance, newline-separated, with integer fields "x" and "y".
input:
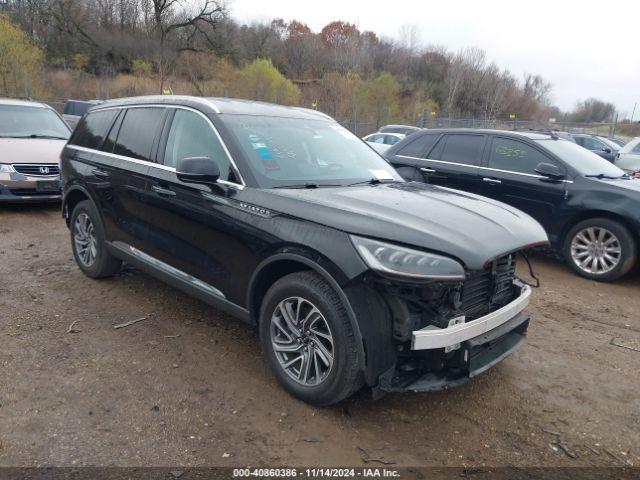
{"x": 381, "y": 174}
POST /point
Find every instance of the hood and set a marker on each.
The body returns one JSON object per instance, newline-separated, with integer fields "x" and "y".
{"x": 471, "y": 228}
{"x": 30, "y": 150}
{"x": 626, "y": 185}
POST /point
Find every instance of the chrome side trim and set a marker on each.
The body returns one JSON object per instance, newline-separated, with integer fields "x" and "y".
{"x": 160, "y": 265}
{"x": 432, "y": 337}
{"x": 483, "y": 168}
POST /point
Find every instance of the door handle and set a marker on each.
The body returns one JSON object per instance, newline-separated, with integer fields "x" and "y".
{"x": 100, "y": 173}
{"x": 427, "y": 170}
{"x": 492, "y": 181}
{"x": 163, "y": 191}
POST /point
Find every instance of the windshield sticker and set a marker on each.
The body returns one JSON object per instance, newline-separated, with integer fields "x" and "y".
{"x": 381, "y": 174}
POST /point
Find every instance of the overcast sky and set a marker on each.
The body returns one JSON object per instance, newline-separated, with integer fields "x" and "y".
{"x": 584, "y": 48}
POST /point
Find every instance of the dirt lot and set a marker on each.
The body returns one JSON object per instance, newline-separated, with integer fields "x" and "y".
{"x": 188, "y": 386}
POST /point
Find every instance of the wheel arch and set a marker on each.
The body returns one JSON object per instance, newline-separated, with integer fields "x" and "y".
{"x": 72, "y": 197}
{"x": 279, "y": 265}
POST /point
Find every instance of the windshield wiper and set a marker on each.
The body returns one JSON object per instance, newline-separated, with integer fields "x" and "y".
{"x": 600, "y": 176}
{"x": 36, "y": 135}
{"x": 309, "y": 185}
{"x": 373, "y": 181}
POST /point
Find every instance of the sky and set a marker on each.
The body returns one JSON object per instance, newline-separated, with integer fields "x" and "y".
{"x": 584, "y": 48}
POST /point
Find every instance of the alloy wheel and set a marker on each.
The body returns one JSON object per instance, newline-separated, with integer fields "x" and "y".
{"x": 596, "y": 250}
{"x": 85, "y": 240}
{"x": 302, "y": 341}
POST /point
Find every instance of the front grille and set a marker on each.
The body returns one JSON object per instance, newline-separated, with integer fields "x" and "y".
{"x": 489, "y": 289}
{"x": 37, "y": 170}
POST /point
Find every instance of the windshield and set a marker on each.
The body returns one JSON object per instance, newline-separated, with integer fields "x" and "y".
{"x": 581, "y": 159}
{"x": 294, "y": 152}
{"x": 23, "y": 122}
{"x": 613, "y": 145}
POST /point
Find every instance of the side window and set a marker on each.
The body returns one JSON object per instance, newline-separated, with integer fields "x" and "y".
{"x": 138, "y": 131}
{"x": 515, "y": 156}
{"x": 636, "y": 149}
{"x": 420, "y": 146}
{"x": 460, "y": 148}
{"x": 192, "y": 136}
{"x": 376, "y": 139}
{"x": 92, "y": 129}
{"x": 593, "y": 143}
{"x": 110, "y": 141}
{"x": 391, "y": 140}
{"x": 579, "y": 141}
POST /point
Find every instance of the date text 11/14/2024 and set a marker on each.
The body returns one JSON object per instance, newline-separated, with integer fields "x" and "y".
{"x": 316, "y": 472}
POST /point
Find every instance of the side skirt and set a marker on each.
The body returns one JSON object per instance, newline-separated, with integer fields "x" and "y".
{"x": 177, "y": 278}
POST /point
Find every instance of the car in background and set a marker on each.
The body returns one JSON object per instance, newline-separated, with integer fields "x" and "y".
{"x": 285, "y": 219}
{"x": 588, "y": 206}
{"x": 74, "y": 110}
{"x": 403, "y": 129}
{"x": 621, "y": 142}
{"x": 629, "y": 157}
{"x": 602, "y": 146}
{"x": 381, "y": 142}
{"x": 32, "y": 135}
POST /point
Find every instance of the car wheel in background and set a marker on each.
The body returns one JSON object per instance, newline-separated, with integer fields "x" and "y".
{"x": 308, "y": 339}
{"x": 87, "y": 243}
{"x": 600, "y": 249}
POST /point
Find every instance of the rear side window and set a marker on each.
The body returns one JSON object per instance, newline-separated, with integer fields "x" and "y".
{"x": 455, "y": 148}
{"x": 138, "y": 132}
{"x": 419, "y": 147}
{"x": 515, "y": 156}
{"x": 93, "y": 128}
{"x": 391, "y": 140}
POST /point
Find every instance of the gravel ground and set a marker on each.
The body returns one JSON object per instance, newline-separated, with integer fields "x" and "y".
{"x": 187, "y": 386}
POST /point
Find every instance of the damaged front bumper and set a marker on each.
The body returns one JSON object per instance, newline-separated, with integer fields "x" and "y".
{"x": 443, "y": 358}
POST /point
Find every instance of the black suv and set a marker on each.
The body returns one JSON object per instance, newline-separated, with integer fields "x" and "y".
{"x": 283, "y": 218}
{"x": 588, "y": 206}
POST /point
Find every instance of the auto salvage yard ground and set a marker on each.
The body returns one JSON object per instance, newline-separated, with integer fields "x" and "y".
{"x": 188, "y": 386}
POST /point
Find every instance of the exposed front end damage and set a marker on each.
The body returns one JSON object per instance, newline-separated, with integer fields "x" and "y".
{"x": 446, "y": 332}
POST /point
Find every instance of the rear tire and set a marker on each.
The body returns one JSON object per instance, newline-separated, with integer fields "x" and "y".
{"x": 302, "y": 319}
{"x": 600, "y": 249}
{"x": 88, "y": 243}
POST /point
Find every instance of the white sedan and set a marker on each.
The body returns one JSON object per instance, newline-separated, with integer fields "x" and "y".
{"x": 381, "y": 142}
{"x": 629, "y": 157}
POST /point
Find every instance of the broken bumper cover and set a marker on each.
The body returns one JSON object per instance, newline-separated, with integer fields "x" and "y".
{"x": 476, "y": 346}
{"x": 433, "y": 337}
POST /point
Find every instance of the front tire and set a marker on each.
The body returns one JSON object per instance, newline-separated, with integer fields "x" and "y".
{"x": 308, "y": 339}
{"x": 88, "y": 243}
{"x": 600, "y": 249}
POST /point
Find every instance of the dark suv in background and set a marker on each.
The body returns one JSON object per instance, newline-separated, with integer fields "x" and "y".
{"x": 287, "y": 220}
{"x": 588, "y": 206}
{"x": 607, "y": 149}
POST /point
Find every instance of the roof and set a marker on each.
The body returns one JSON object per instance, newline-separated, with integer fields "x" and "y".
{"x": 509, "y": 133}
{"x": 230, "y": 106}
{"x": 22, "y": 103}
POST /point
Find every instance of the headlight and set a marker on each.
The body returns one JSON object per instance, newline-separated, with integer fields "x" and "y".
{"x": 5, "y": 168}
{"x": 405, "y": 262}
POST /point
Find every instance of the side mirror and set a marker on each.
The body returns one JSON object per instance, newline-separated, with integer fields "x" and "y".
{"x": 549, "y": 170}
{"x": 198, "y": 170}
{"x": 606, "y": 149}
